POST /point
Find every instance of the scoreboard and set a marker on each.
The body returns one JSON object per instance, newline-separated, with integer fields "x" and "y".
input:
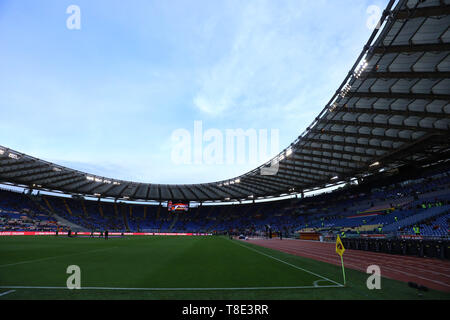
{"x": 178, "y": 206}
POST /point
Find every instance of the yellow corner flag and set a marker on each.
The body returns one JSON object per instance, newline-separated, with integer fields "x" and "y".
{"x": 340, "y": 251}
{"x": 339, "y": 246}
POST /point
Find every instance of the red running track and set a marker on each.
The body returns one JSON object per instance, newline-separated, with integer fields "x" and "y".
{"x": 432, "y": 273}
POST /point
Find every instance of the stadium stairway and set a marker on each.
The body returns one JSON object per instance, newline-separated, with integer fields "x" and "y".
{"x": 214, "y": 225}
{"x": 411, "y": 220}
{"x": 202, "y": 226}
{"x": 116, "y": 211}
{"x": 38, "y": 203}
{"x": 100, "y": 210}
{"x": 125, "y": 221}
{"x": 158, "y": 212}
{"x": 67, "y": 207}
{"x": 74, "y": 227}
{"x": 48, "y": 204}
{"x": 83, "y": 205}
{"x": 175, "y": 219}
{"x": 49, "y": 210}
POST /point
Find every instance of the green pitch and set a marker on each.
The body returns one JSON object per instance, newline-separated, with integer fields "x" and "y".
{"x": 176, "y": 268}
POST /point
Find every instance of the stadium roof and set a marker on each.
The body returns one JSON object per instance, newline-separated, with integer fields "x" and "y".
{"x": 391, "y": 109}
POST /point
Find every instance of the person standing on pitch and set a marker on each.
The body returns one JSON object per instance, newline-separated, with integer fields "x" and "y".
{"x": 106, "y": 234}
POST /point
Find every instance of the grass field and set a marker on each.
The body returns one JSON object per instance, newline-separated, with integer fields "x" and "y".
{"x": 176, "y": 268}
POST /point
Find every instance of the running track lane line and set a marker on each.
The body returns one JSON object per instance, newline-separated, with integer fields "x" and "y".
{"x": 54, "y": 257}
{"x": 400, "y": 258}
{"x": 416, "y": 260}
{"x": 389, "y": 264}
{"x": 304, "y": 252}
{"x": 413, "y": 262}
{"x": 324, "y": 255}
{"x": 289, "y": 264}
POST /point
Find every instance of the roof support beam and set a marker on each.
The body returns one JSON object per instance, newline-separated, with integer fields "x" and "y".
{"x": 28, "y": 173}
{"x": 170, "y": 192}
{"x": 397, "y": 95}
{"x": 269, "y": 180}
{"x": 294, "y": 165}
{"x": 434, "y": 11}
{"x": 382, "y": 125}
{"x": 158, "y": 189}
{"x": 301, "y": 150}
{"x": 196, "y": 190}
{"x": 348, "y": 144}
{"x": 91, "y": 189}
{"x": 300, "y": 160}
{"x": 407, "y": 75}
{"x": 302, "y": 172}
{"x": 407, "y": 113}
{"x": 54, "y": 177}
{"x": 6, "y": 162}
{"x": 180, "y": 189}
{"x": 187, "y": 191}
{"x": 299, "y": 172}
{"x": 298, "y": 152}
{"x": 152, "y": 192}
{"x": 21, "y": 167}
{"x": 75, "y": 186}
{"x": 122, "y": 190}
{"x": 148, "y": 191}
{"x": 219, "y": 193}
{"x": 141, "y": 189}
{"x": 244, "y": 189}
{"x": 262, "y": 188}
{"x": 133, "y": 196}
{"x": 434, "y": 47}
{"x": 357, "y": 135}
{"x": 65, "y": 181}
{"x": 106, "y": 190}
{"x": 288, "y": 178}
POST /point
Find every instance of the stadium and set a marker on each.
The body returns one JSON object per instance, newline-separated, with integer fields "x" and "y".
{"x": 370, "y": 173}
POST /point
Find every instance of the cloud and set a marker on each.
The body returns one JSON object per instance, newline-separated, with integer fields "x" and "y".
{"x": 225, "y": 85}
{"x": 256, "y": 71}
{"x": 282, "y": 59}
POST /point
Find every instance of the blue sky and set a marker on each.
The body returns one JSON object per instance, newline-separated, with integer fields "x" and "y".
{"x": 107, "y": 98}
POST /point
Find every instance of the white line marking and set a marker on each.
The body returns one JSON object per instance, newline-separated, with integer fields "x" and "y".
{"x": 174, "y": 289}
{"x": 7, "y": 292}
{"x": 289, "y": 264}
{"x": 358, "y": 267}
{"x": 54, "y": 257}
{"x": 316, "y": 283}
